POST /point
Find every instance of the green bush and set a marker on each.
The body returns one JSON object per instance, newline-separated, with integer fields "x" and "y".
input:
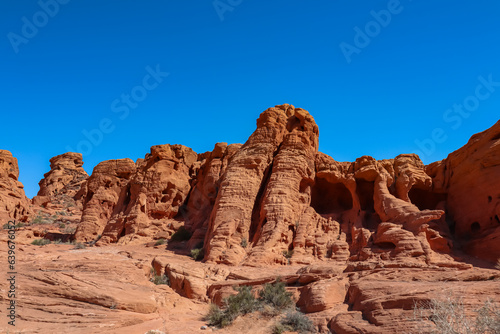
{"x": 294, "y": 322}
{"x": 18, "y": 225}
{"x": 40, "y": 242}
{"x": 273, "y": 299}
{"x": 160, "y": 242}
{"x": 276, "y": 295}
{"x": 215, "y": 316}
{"x": 181, "y": 235}
{"x": 197, "y": 254}
{"x": 242, "y": 303}
{"x": 159, "y": 279}
{"x": 62, "y": 225}
{"x": 288, "y": 253}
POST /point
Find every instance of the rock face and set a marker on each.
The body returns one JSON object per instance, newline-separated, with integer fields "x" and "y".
{"x": 277, "y": 200}
{"x": 279, "y": 196}
{"x": 126, "y": 201}
{"x": 14, "y": 205}
{"x": 106, "y": 191}
{"x": 62, "y": 183}
{"x": 469, "y": 179}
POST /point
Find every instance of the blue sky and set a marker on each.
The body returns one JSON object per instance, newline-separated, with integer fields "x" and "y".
{"x": 89, "y": 67}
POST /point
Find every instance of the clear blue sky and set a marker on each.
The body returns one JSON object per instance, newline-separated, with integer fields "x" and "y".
{"x": 228, "y": 64}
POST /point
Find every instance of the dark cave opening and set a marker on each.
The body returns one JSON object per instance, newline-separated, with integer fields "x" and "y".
{"x": 327, "y": 197}
{"x": 475, "y": 227}
{"x": 365, "y": 191}
{"x": 425, "y": 199}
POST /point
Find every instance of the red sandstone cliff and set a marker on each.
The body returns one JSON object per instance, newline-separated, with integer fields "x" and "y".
{"x": 14, "y": 205}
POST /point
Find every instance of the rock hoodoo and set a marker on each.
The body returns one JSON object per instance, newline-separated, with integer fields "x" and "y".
{"x": 62, "y": 183}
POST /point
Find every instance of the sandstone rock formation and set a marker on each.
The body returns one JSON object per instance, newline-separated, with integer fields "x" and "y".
{"x": 204, "y": 189}
{"x": 276, "y": 199}
{"x": 14, "y": 205}
{"x": 62, "y": 183}
{"x": 469, "y": 180}
{"x": 105, "y": 191}
{"x": 282, "y": 197}
{"x": 126, "y": 201}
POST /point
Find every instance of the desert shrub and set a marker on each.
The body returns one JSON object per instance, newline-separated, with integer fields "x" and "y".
{"x": 159, "y": 279}
{"x": 181, "y": 235}
{"x": 242, "y": 303}
{"x": 244, "y": 242}
{"x": 197, "y": 254}
{"x": 62, "y": 225}
{"x": 273, "y": 299}
{"x": 79, "y": 245}
{"x": 42, "y": 219}
{"x": 8, "y": 226}
{"x": 69, "y": 230}
{"x": 160, "y": 242}
{"x": 276, "y": 295}
{"x": 215, "y": 317}
{"x": 288, "y": 253}
{"x": 40, "y": 242}
{"x": 448, "y": 316}
{"x": 296, "y": 322}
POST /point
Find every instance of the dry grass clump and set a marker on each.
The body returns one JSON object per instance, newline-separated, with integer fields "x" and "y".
{"x": 448, "y": 316}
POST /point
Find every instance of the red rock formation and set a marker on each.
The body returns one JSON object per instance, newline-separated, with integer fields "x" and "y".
{"x": 469, "y": 178}
{"x": 281, "y": 195}
{"x": 204, "y": 190}
{"x": 64, "y": 180}
{"x": 127, "y": 201}
{"x": 106, "y": 192}
{"x": 14, "y": 205}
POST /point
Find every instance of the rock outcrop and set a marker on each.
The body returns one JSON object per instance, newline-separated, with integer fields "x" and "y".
{"x": 106, "y": 191}
{"x": 280, "y": 200}
{"x": 126, "y": 201}
{"x": 469, "y": 179}
{"x": 61, "y": 184}
{"x": 14, "y": 205}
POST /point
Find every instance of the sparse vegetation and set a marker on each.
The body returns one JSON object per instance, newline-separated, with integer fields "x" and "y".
{"x": 288, "y": 253}
{"x": 244, "y": 242}
{"x": 276, "y": 295}
{"x": 294, "y": 322}
{"x": 448, "y": 316}
{"x": 62, "y": 225}
{"x": 40, "y": 242}
{"x": 159, "y": 279}
{"x": 273, "y": 299}
{"x": 18, "y": 225}
{"x": 181, "y": 235}
{"x": 160, "y": 242}
{"x": 242, "y": 303}
{"x": 79, "y": 245}
{"x": 42, "y": 218}
{"x": 498, "y": 264}
{"x": 69, "y": 230}
{"x": 197, "y": 254}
